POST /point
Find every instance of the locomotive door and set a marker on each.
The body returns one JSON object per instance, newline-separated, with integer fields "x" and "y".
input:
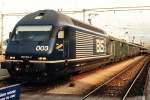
{"x": 66, "y": 42}
{"x": 66, "y": 48}
{"x": 69, "y": 40}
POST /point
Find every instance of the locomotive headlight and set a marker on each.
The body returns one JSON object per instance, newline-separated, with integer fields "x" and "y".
{"x": 12, "y": 58}
{"x": 17, "y": 69}
{"x": 42, "y": 58}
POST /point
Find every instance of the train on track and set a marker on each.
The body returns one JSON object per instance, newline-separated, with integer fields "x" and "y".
{"x": 47, "y": 44}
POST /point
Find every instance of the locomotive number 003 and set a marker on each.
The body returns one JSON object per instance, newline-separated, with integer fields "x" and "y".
{"x": 41, "y": 48}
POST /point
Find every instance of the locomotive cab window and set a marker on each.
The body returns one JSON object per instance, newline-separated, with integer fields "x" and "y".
{"x": 61, "y": 34}
{"x": 32, "y": 33}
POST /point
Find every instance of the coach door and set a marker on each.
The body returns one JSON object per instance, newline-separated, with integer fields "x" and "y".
{"x": 112, "y": 47}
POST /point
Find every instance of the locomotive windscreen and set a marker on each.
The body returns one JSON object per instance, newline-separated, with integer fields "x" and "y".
{"x": 32, "y": 33}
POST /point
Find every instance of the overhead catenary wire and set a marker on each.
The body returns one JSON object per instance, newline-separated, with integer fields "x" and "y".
{"x": 110, "y": 9}
{"x": 86, "y": 10}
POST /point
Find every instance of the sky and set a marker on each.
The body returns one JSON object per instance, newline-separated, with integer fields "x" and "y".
{"x": 133, "y": 23}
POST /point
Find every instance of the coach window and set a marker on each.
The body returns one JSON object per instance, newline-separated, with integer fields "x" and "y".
{"x": 61, "y": 34}
{"x": 120, "y": 44}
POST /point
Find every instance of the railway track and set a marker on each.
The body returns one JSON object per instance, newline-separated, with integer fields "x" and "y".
{"x": 134, "y": 81}
{"x": 47, "y": 92}
{"x": 123, "y": 93}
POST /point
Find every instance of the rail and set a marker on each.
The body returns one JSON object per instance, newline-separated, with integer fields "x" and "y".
{"x": 134, "y": 81}
{"x": 111, "y": 79}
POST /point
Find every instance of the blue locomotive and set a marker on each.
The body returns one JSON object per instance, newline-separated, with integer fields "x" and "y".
{"x": 47, "y": 44}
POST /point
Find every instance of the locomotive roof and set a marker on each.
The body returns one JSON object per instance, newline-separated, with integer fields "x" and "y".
{"x": 48, "y": 17}
{"x": 51, "y": 17}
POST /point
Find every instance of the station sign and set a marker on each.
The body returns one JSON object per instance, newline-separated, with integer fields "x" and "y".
{"x": 10, "y": 92}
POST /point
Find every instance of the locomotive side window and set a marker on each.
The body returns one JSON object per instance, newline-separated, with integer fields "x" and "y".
{"x": 61, "y": 34}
